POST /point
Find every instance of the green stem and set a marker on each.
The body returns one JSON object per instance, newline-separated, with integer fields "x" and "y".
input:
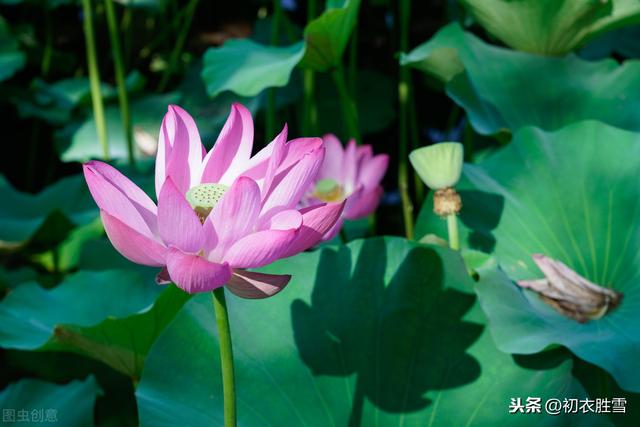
{"x": 452, "y": 227}
{"x": 94, "y": 78}
{"x": 127, "y": 29}
{"x": 407, "y": 206}
{"x": 347, "y": 103}
{"x": 123, "y": 97}
{"x": 45, "y": 66}
{"x": 418, "y": 185}
{"x": 271, "y": 111}
{"x": 309, "y": 110}
{"x": 353, "y": 62}
{"x": 177, "y": 48}
{"x": 403, "y": 103}
{"x": 226, "y": 357}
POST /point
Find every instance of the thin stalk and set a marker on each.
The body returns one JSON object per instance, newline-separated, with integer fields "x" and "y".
{"x": 270, "y": 113}
{"x": 452, "y": 228}
{"x": 127, "y": 29}
{"x": 309, "y": 110}
{"x": 94, "y": 78}
{"x": 353, "y": 63}
{"x": 347, "y": 103}
{"x": 419, "y": 187}
{"x": 226, "y": 357}
{"x": 45, "y": 65}
{"x": 177, "y": 48}
{"x": 123, "y": 97}
{"x": 403, "y": 101}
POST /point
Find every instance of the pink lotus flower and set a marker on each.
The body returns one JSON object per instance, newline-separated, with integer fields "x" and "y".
{"x": 350, "y": 174}
{"x": 218, "y": 213}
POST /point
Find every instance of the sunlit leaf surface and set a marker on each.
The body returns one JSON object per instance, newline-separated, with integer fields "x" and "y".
{"x": 572, "y": 195}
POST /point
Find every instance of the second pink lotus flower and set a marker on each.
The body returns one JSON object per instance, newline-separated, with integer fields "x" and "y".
{"x": 351, "y": 174}
{"x": 220, "y": 212}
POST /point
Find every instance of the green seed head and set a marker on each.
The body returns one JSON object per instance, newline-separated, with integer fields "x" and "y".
{"x": 438, "y": 165}
{"x": 204, "y": 197}
{"x": 328, "y": 190}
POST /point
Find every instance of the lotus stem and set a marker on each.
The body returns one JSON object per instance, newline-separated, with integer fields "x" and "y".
{"x": 226, "y": 357}
{"x": 270, "y": 113}
{"x": 403, "y": 101}
{"x": 177, "y": 48}
{"x": 123, "y": 97}
{"x": 45, "y": 66}
{"x": 94, "y": 78}
{"x": 347, "y": 103}
{"x": 127, "y": 28}
{"x": 353, "y": 62}
{"x": 452, "y": 228}
{"x": 309, "y": 111}
{"x": 418, "y": 186}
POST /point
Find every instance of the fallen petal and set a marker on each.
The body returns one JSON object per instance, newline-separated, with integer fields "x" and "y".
{"x": 163, "y": 278}
{"x": 248, "y": 284}
{"x": 569, "y": 293}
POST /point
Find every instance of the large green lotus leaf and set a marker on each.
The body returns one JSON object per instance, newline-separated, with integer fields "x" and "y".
{"x": 379, "y": 332}
{"x": 146, "y": 115}
{"x": 503, "y": 89}
{"x": 246, "y": 67}
{"x": 11, "y": 58}
{"x": 112, "y": 316}
{"x": 326, "y": 37}
{"x": 572, "y": 195}
{"x": 28, "y": 402}
{"x": 551, "y": 27}
{"x": 48, "y": 215}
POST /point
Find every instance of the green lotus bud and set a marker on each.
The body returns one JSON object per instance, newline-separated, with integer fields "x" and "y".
{"x": 438, "y": 165}
{"x": 204, "y": 197}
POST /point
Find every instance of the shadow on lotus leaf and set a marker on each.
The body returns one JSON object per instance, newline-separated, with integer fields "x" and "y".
{"x": 401, "y": 337}
{"x": 481, "y": 214}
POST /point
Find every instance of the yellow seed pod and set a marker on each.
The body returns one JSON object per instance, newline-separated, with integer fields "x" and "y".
{"x": 438, "y": 165}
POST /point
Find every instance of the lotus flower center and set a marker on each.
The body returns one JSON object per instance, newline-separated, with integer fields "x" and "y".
{"x": 328, "y": 190}
{"x": 204, "y": 197}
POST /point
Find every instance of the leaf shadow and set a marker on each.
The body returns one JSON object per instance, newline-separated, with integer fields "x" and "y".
{"x": 481, "y": 214}
{"x": 400, "y": 339}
